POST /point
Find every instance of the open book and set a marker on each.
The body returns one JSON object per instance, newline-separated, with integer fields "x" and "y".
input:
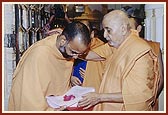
{"x": 70, "y": 98}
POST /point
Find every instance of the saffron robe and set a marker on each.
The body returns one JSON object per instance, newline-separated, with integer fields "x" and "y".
{"x": 94, "y": 69}
{"x": 132, "y": 70}
{"x": 96, "y": 42}
{"x": 41, "y": 71}
{"x": 156, "y": 48}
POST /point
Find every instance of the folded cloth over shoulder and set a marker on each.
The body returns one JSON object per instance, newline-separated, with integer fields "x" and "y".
{"x": 70, "y": 98}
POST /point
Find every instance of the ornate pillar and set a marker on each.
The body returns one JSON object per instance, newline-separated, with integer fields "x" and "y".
{"x": 154, "y": 23}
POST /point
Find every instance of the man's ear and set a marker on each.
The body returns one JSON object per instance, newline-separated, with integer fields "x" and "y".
{"x": 124, "y": 29}
{"x": 62, "y": 40}
{"x": 139, "y": 28}
{"x": 92, "y": 34}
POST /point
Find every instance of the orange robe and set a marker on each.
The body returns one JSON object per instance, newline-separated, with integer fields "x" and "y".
{"x": 41, "y": 71}
{"x": 94, "y": 69}
{"x": 96, "y": 42}
{"x": 132, "y": 70}
{"x": 156, "y": 48}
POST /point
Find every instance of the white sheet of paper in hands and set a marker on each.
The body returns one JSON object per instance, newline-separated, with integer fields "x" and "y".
{"x": 70, "y": 98}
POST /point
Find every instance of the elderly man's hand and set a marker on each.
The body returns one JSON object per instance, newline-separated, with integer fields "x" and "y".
{"x": 89, "y": 100}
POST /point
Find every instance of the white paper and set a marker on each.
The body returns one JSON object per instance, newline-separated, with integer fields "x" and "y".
{"x": 77, "y": 91}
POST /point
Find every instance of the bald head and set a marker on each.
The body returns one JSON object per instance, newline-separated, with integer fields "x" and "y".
{"x": 77, "y": 29}
{"x": 116, "y": 27}
{"x": 117, "y": 17}
{"x": 74, "y": 40}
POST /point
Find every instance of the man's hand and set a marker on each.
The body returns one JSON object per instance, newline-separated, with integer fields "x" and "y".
{"x": 89, "y": 100}
{"x": 82, "y": 72}
{"x": 75, "y": 81}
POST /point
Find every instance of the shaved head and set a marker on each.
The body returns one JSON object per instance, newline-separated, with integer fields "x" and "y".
{"x": 116, "y": 27}
{"x": 117, "y": 17}
{"x": 74, "y": 29}
{"x": 74, "y": 40}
